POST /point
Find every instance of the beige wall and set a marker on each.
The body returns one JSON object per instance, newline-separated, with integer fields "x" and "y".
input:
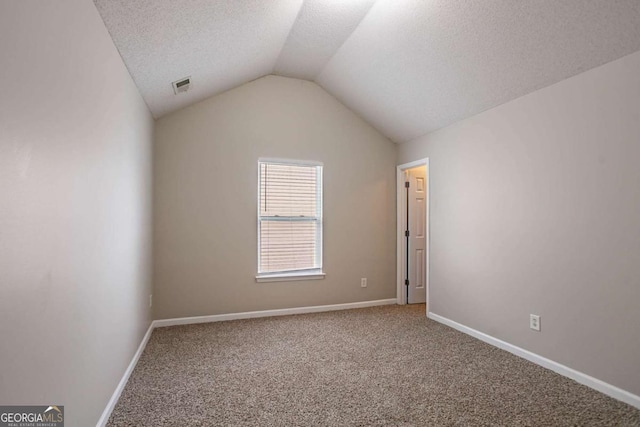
{"x": 535, "y": 208}
{"x": 205, "y": 200}
{"x": 75, "y": 185}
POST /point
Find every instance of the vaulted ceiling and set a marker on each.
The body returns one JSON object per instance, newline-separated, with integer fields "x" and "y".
{"x": 407, "y": 66}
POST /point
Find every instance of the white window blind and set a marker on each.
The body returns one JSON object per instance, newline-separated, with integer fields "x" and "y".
{"x": 290, "y": 217}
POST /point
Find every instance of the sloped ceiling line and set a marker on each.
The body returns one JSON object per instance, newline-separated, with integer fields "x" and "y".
{"x": 275, "y": 63}
{"x": 321, "y": 28}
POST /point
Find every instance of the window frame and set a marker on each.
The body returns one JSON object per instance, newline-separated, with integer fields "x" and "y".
{"x": 302, "y": 274}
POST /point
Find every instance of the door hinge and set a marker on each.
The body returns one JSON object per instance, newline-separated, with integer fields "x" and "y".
{"x": 406, "y": 233}
{"x": 406, "y": 282}
{"x": 406, "y": 184}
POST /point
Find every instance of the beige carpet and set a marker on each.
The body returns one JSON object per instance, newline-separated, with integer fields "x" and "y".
{"x": 378, "y": 366}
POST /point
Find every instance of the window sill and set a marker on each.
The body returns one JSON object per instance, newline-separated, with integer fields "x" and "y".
{"x": 287, "y": 277}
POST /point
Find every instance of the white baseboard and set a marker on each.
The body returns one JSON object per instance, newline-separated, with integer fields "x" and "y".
{"x": 270, "y": 313}
{"x": 589, "y": 381}
{"x": 123, "y": 382}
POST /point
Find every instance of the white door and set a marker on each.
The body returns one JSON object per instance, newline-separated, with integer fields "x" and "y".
{"x": 417, "y": 234}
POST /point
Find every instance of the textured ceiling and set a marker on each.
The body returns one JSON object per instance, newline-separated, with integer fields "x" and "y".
{"x": 407, "y": 66}
{"x": 413, "y": 66}
{"x": 220, "y": 44}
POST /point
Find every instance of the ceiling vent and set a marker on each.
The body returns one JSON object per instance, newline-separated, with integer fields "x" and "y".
{"x": 181, "y": 85}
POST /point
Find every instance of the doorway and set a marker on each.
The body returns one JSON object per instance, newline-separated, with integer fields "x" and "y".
{"x": 413, "y": 233}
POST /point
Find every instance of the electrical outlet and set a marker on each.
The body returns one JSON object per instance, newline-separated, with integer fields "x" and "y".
{"x": 363, "y": 282}
{"x": 150, "y": 300}
{"x": 534, "y": 322}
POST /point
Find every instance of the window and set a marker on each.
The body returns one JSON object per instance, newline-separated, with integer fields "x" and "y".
{"x": 289, "y": 220}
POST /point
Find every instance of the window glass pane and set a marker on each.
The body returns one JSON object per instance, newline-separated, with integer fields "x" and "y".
{"x": 289, "y": 218}
{"x": 287, "y": 245}
{"x": 288, "y": 190}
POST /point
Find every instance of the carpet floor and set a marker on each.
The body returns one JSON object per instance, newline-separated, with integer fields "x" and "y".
{"x": 380, "y": 366}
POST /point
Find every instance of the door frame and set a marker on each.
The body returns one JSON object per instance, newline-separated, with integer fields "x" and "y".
{"x": 400, "y": 245}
